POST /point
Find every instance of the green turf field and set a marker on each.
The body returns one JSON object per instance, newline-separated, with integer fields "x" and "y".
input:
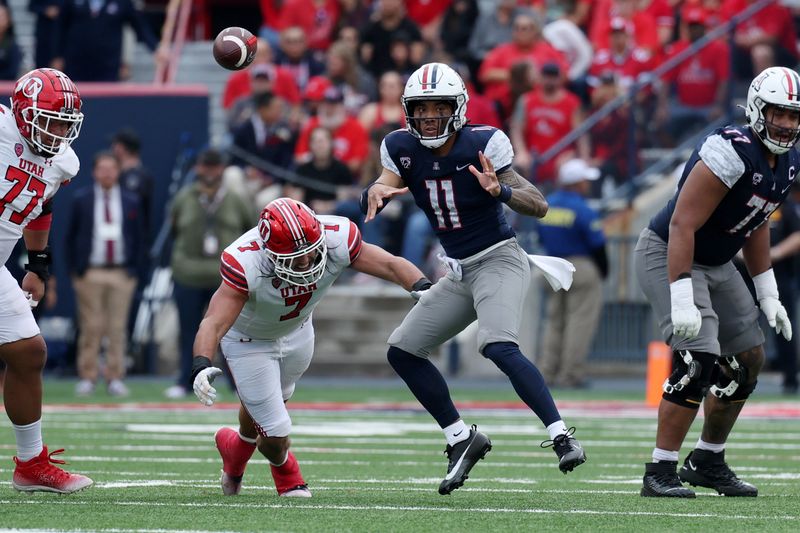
{"x": 377, "y": 469}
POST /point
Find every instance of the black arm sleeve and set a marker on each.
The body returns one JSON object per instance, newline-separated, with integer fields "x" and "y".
{"x": 600, "y": 258}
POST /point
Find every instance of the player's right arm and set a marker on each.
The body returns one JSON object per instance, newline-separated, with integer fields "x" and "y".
{"x": 388, "y": 185}
{"x": 699, "y": 197}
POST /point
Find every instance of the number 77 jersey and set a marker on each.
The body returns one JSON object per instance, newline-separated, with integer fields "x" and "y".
{"x": 275, "y": 307}
{"x": 27, "y": 181}
{"x": 755, "y": 190}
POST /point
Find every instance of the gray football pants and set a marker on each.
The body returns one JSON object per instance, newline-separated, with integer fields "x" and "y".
{"x": 492, "y": 289}
{"x": 730, "y": 316}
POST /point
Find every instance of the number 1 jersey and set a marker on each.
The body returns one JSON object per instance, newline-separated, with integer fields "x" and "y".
{"x": 28, "y": 181}
{"x": 274, "y": 307}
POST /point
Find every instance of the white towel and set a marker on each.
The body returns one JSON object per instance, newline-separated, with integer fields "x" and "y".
{"x": 557, "y": 271}
{"x": 453, "y": 265}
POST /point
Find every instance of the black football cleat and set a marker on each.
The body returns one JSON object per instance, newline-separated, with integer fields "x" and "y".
{"x": 703, "y": 468}
{"x": 661, "y": 481}
{"x": 569, "y": 451}
{"x": 462, "y": 457}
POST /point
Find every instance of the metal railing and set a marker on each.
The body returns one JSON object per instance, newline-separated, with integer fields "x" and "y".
{"x": 647, "y": 81}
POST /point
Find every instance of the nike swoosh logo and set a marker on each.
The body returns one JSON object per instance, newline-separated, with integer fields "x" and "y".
{"x": 461, "y": 167}
{"x": 459, "y": 433}
{"x": 786, "y": 189}
{"x": 691, "y": 465}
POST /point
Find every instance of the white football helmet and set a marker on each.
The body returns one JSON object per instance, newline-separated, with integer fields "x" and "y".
{"x": 436, "y": 81}
{"x": 775, "y": 86}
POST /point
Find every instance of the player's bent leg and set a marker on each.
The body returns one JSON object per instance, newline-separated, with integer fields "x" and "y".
{"x": 286, "y": 473}
{"x": 683, "y": 392}
{"x": 22, "y": 396}
{"x": 531, "y": 388}
{"x": 705, "y": 466}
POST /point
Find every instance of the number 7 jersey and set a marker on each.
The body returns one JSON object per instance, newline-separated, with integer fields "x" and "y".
{"x": 274, "y": 307}
{"x": 28, "y": 181}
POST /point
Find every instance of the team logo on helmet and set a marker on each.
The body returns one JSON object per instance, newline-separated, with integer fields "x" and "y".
{"x": 30, "y": 87}
{"x": 18, "y": 148}
{"x": 264, "y": 230}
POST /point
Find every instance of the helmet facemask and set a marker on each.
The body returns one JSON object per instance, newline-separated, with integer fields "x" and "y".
{"x": 41, "y": 121}
{"x": 447, "y": 125}
{"x": 284, "y": 263}
{"x": 777, "y": 139}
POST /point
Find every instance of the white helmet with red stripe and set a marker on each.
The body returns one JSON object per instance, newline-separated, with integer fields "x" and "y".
{"x": 437, "y": 82}
{"x": 775, "y": 87}
{"x": 294, "y": 240}
{"x": 47, "y": 107}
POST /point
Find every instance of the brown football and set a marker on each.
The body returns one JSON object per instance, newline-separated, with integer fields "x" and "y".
{"x": 235, "y": 48}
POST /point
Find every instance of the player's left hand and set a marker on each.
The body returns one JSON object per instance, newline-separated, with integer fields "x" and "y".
{"x": 487, "y": 177}
{"x": 776, "y": 316}
{"x": 34, "y": 286}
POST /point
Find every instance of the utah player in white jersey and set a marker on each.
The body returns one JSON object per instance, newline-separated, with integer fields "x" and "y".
{"x": 273, "y": 277}
{"x": 35, "y": 160}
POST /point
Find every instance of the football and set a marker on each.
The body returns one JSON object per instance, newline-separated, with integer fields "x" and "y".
{"x": 235, "y": 48}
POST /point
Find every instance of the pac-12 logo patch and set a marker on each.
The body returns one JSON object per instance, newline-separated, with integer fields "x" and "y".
{"x": 276, "y": 282}
{"x": 757, "y": 178}
{"x": 406, "y": 162}
{"x": 18, "y": 148}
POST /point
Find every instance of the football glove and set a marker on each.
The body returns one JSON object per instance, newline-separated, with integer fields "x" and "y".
{"x": 771, "y": 306}
{"x": 686, "y": 319}
{"x": 203, "y": 375}
{"x": 420, "y": 286}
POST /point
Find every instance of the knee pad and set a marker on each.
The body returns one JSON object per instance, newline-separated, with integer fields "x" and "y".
{"x": 732, "y": 380}
{"x": 692, "y": 373}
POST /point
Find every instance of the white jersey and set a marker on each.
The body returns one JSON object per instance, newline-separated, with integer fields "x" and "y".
{"x": 274, "y": 307}
{"x": 27, "y": 181}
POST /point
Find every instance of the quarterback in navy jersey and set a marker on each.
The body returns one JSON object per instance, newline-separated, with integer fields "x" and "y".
{"x": 736, "y": 177}
{"x": 460, "y": 176}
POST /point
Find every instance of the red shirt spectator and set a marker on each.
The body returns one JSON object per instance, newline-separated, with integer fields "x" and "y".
{"x": 621, "y": 58}
{"x": 318, "y": 18}
{"x": 527, "y": 45}
{"x": 774, "y": 20}
{"x": 423, "y": 12}
{"x": 481, "y": 110}
{"x": 350, "y": 139}
{"x": 239, "y": 84}
{"x": 698, "y": 77}
{"x": 643, "y": 24}
{"x": 542, "y": 117}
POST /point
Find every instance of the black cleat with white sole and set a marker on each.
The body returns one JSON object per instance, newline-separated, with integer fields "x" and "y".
{"x": 462, "y": 457}
{"x": 703, "y": 468}
{"x": 661, "y": 481}
{"x": 569, "y": 451}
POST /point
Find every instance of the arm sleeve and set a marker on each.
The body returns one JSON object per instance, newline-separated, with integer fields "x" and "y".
{"x": 353, "y": 242}
{"x": 499, "y": 151}
{"x": 386, "y": 161}
{"x": 722, "y": 159}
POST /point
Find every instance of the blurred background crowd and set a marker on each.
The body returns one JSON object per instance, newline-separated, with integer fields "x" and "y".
{"x": 618, "y": 85}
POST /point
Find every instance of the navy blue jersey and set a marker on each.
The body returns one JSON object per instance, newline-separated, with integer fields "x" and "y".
{"x": 465, "y": 217}
{"x": 735, "y": 155}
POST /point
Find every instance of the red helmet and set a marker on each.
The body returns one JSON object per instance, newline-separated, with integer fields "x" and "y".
{"x": 42, "y": 97}
{"x": 288, "y": 230}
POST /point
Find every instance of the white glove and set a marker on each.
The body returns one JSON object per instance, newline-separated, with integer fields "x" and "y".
{"x": 771, "y": 306}
{"x": 686, "y": 319}
{"x": 202, "y": 385}
{"x": 33, "y": 303}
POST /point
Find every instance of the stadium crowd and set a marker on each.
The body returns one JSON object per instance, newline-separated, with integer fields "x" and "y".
{"x": 306, "y": 119}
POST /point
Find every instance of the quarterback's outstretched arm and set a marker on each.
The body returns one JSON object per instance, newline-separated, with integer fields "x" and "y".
{"x": 378, "y": 262}
{"x": 379, "y": 192}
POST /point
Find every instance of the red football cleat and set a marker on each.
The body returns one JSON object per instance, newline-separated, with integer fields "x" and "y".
{"x": 41, "y": 474}
{"x": 235, "y": 453}
{"x": 288, "y": 479}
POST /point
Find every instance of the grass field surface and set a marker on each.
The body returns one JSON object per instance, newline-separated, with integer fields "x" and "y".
{"x": 373, "y": 461}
